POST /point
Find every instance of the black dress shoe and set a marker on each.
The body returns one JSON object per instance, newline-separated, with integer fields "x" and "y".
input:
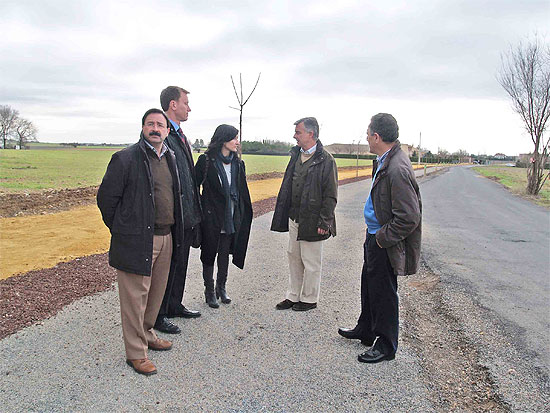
{"x": 373, "y": 355}
{"x": 354, "y": 334}
{"x": 285, "y": 304}
{"x": 164, "y": 325}
{"x": 351, "y": 333}
{"x": 186, "y": 313}
{"x": 300, "y": 306}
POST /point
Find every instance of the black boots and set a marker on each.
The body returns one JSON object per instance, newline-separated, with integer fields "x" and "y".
{"x": 220, "y": 288}
{"x": 209, "y": 292}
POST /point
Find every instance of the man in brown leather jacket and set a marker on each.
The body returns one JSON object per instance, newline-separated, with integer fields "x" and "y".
{"x": 393, "y": 214}
{"x": 305, "y": 208}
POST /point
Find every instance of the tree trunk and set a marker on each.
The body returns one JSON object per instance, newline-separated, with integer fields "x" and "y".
{"x": 535, "y": 172}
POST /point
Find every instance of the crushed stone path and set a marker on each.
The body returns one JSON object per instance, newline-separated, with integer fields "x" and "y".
{"x": 242, "y": 357}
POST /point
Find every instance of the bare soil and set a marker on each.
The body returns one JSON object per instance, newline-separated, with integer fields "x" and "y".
{"x": 451, "y": 368}
{"x": 56, "y": 200}
{"x": 45, "y": 202}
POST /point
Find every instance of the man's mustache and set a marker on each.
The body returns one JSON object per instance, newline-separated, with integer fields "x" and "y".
{"x": 154, "y": 133}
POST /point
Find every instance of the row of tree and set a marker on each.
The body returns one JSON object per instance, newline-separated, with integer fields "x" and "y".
{"x": 14, "y": 127}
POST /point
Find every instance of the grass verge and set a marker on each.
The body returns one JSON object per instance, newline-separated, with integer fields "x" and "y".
{"x": 39, "y": 169}
{"x": 515, "y": 179}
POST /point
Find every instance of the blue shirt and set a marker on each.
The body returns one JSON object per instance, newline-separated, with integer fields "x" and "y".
{"x": 370, "y": 217}
{"x": 174, "y": 124}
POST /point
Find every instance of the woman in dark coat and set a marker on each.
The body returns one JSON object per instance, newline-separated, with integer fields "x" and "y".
{"x": 226, "y": 209}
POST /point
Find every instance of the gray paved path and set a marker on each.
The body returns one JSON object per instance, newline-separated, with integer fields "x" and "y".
{"x": 492, "y": 250}
{"x": 243, "y": 357}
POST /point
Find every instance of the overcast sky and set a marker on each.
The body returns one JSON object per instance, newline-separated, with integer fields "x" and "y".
{"x": 87, "y": 70}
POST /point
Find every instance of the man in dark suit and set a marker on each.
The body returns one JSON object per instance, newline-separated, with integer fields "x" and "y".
{"x": 175, "y": 103}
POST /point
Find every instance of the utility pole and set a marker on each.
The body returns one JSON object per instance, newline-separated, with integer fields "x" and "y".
{"x": 357, "y": 155}
{"x": 357, "y": 164}
{"x": 419, "y": 150}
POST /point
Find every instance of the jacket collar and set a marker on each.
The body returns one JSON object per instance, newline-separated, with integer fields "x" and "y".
{"x": 143, "y": 145}
{"x": 173, "y": 129}
{"x": 317, "y": 156}
{"x": 391, "y": 153}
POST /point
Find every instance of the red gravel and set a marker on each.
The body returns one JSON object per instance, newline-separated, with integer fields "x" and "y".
{"x": 36, "y": 295}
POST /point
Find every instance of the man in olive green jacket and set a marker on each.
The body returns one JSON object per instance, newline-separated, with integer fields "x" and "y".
{"x": 305, "y": 208}
{"x": 393, "y": 214}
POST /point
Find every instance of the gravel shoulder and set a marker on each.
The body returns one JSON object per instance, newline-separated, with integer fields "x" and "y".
{"x": 249, "y": 357}
{"x": 245, "y": 356}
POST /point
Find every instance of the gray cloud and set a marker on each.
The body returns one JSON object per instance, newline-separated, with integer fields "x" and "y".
{"x": 72, "y": 52}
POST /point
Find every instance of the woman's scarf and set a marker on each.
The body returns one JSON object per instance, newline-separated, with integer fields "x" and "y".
{"x": 231, "y": 191}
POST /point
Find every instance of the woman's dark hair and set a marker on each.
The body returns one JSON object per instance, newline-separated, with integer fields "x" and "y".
{"x": 223, "y": 133}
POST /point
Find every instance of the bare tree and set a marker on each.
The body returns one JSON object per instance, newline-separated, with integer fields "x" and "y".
{"x": 25, "y": 131}
{"x": 442, "y": 153}
{"x": 242, "y": 101}
{"x": 8, "y": 117}
{"x": 525, "y": 76}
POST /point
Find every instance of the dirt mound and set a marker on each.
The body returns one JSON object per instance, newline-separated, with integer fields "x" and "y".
{"x": 45, "y": 202}
{"x": 265, "y": 175}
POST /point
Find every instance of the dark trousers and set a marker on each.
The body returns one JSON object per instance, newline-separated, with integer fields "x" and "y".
{"x": 222, "y": 258}
{"x": 173, "y": 296}
{"x": 379, "y": 300}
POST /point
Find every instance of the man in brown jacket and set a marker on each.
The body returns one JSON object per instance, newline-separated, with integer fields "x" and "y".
{"x": 393, "y": 214}
{"x": 305, "y": 208}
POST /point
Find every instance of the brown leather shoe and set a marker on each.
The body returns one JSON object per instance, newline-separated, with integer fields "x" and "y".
{"x": 143, "y": 366}
{"x": 160, "y": 345}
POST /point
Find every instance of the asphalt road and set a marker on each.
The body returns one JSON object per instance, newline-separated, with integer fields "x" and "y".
{"x": 488, "y": 248}
{"x": 492, "y": 251}
{"x": 243, "y": 357}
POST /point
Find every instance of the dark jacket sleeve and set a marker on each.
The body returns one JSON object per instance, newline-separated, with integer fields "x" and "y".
{"x": 405, "y": 209}
{"x": 200, "y": 169}
{"x": 330, "y": 195}
{"x": 111, "y": 189}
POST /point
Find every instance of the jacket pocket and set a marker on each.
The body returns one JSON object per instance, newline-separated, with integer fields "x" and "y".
{"x": 396, "y": 255}
{"x": 128, "y": 220}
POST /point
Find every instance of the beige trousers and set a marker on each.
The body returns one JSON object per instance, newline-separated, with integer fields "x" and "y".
{"x": 141, "y": 297}
{"x": 304, "y": 261}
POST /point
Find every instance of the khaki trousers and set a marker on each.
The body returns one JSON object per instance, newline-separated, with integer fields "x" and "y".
{"x": 304, "y": 261}
{"x": 141, "y": 297}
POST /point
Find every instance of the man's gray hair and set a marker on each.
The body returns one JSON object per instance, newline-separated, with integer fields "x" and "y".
{"x": 311, "y": 125}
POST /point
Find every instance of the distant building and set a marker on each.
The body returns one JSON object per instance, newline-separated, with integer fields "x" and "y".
{"x": 408, "y": 149}
{"x": 499, "y": 156}
{"x": 525, "y": 157}
{"x": 351, "y": 149}
{"x": 348, "y": 148}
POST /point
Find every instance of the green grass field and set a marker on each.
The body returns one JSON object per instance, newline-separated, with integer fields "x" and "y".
{"x": 266, "y": 163}
{"x": 515, "y": 179}
{"x": 38, "y": 169}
